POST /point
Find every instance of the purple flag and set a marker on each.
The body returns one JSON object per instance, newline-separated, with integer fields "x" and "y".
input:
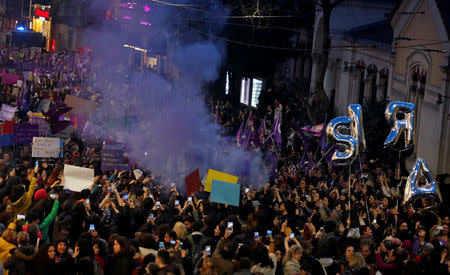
{"x": 323, "y": 136}
{"x": 52, "y": 117}
{"x": 239, "y": 133}
{"x": 271, "y": 158}
{"x": 276, "y": 132}
{"x": 315, "y": 130}
{"x": 245, "y": 139}
{"x": 306, "y": 145}
{"x": 249, "y": 132}
{"x": 262, "y": 132}
{"x": 310, "y": 164}
{"x": 329, "y": 154}
{"x": 326, "y": 150}
{"x": 249, "y": 121}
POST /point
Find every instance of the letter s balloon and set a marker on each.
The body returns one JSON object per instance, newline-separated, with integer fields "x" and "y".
{"x": 349, "y": 144}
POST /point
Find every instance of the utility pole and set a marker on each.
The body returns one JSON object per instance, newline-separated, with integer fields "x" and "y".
{"x": 29, "y": 15}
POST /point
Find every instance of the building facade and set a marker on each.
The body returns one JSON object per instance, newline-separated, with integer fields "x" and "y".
{"x": 400, "y": 57}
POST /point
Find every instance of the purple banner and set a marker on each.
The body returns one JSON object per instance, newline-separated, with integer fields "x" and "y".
{"x": 7, "y": 112}
{"x": 24, "y": 133}
{"x": 9, "y": 79}
{"x": 112, "y": 157}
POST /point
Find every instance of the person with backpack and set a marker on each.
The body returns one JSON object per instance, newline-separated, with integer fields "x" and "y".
{"x": 195, "y": 240}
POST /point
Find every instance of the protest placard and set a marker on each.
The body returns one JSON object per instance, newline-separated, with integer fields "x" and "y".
{"x": 39, "y": 119}
{"x": 112, "y": 157}
{"x": 220, "y": 176}
{"x": 225, "y": 192}
{"x": 44, "y": 147}
{"x": 137, "y": 173}
{"x": 7, "y": 112}
{"x": 77, "y": 178}
{"x": 193, "y": 182}
{"x": 35, "y": 117}
{"x": 80, "y": 106}
{"x": 24, "y": 133}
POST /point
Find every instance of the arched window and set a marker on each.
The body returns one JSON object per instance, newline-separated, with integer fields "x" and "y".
{"x": 372, "y": 77}
{"x": 416, "y": 93}
{"x": 418, "y": 64}
{"x": 384, "y": 80}
{"x": 360, "y": 66}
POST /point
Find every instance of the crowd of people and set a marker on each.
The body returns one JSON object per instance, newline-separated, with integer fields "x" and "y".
{"x": 309, "y": 219}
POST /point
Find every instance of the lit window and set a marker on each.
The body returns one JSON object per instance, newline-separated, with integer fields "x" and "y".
{"x": 256, "y": 90}
{"x": 245, "y": 90}
{"x": 227, "y": 82}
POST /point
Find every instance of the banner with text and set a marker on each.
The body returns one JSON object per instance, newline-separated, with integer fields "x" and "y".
{"x": 24, "y": 133}
{"x": 112, "y": 157}
{"x": 39, "y": 119}
{"x": 44, "y": 147}
{"x": 7, "y": 112}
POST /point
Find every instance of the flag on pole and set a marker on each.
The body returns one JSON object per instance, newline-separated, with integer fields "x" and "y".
{"x": 326, "y": 150}
{"x": 249, "y": 132}
{"x": 316, "y": 130}
{"x": 310, "y": 164}
{"x": 306, "y": 145}
{"x": 246, "y": 137}
{"x": 271, "y": 158}
{"x": 239, "y": 134}
{"x": 249, "y": 121}
{"x": 276, "y": 132}
{"x": 262, "y": 131}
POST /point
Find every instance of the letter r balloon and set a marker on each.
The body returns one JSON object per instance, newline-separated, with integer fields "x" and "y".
{"x": 398, "y": 126}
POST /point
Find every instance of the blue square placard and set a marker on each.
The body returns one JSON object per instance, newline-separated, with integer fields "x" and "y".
{"x": 225, "y": 192}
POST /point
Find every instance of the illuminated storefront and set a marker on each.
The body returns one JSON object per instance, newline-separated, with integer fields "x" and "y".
{"x": 42, "y": 23}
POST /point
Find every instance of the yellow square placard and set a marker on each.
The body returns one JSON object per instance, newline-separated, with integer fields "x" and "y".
{"x": 220, "y": 176}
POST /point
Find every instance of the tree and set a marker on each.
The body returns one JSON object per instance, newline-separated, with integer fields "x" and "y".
{"x": 320, "y": 102}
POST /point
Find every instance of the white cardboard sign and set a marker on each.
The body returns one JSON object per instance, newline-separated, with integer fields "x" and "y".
{"x": 44, "y": 147}
{"x": 77, "y": 178}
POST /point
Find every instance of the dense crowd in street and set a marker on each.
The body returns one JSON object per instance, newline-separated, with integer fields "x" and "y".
{"x": 309, "y": 218}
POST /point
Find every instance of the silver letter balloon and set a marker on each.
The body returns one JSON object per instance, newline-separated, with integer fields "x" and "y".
{"x": 357, "y": 127}
{"x": 428, "y": 189}
{"x": 347, "y": 144}
{"x": 398, "y": 126}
